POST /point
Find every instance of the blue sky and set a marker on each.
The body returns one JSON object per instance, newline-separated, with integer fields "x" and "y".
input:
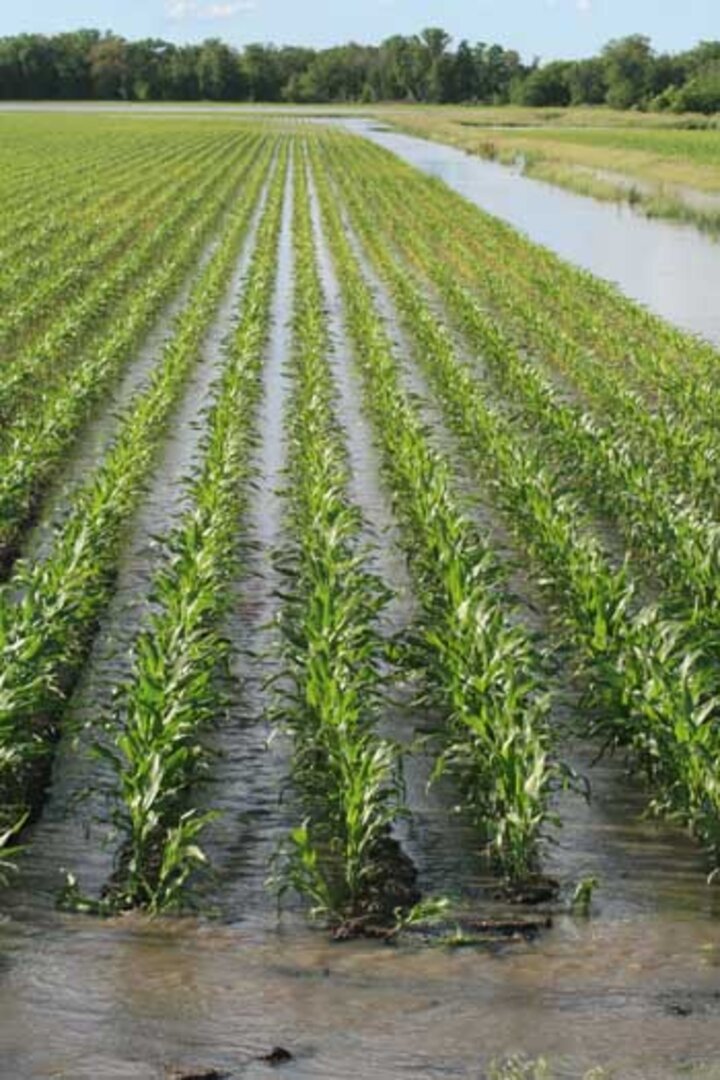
{"x": 548, "y": 28}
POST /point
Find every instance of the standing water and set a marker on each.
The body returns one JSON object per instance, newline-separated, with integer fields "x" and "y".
{"x": 635, "y": 987}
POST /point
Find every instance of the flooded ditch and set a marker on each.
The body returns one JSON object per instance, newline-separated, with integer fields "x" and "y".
{"x": 670, "y": 267}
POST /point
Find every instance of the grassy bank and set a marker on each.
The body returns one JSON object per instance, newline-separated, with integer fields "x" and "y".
{"x": 662, "y": 164}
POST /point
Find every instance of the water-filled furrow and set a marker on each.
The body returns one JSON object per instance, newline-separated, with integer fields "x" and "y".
{"x": 251, "y": 769}
{"x": 440, "y": 848}
{"x": 469, "y": 491}
{"x": 74, "y": 831}
{"x": 365, "y": 485}
{"x": 643, "y": 865}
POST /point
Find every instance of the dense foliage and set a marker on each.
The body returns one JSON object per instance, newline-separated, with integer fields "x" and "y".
{"x": 86, "y": 64}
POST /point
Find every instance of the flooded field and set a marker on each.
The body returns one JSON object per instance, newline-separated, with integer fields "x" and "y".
{"x": 377, "y": 501}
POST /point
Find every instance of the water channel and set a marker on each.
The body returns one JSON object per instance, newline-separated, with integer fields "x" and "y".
{"x": 669, "y": 267}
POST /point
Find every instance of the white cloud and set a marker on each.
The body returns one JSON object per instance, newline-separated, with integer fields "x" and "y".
{"x": 191, "y": 9}
{"x": 585, "y": 6}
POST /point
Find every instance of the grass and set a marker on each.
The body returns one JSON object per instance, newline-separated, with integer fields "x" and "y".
{"x": 660, "y": 162}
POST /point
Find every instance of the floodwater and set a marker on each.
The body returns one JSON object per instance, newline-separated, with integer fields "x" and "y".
{"x": 671, "y": 268}
{"x": 634, "y": 988}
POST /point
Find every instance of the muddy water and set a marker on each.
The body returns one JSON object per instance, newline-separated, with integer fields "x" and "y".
{"x": 635, "y": 987}
{"x": 669, "y": 267}
{"x": 254, "y": 760}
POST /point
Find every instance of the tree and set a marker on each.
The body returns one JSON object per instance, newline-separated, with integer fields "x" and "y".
{"x": 464, "y": 74}
{"x": 423, "y": 67}
{"x": 503, "y": 67}
{"x": 179, "y": 79}
{"x": 702, "y": 92}
{"x": 72, "y": 63}
{"x": 260, "y": 69}
{"x": 109, "y": 68}
{"x": 586, "y": 82}
{"x": 218, "y": 72}
{"x": 434, "y": 64}
{"x": 402, "y": 65}
{"x": 546, "y": 85}
{"x": 628, "y": 67}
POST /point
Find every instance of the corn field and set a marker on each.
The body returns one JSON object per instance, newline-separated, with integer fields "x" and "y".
{"x": 547, "y": 452}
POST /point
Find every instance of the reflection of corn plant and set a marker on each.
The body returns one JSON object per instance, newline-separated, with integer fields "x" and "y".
{"x": 173, "y": 692}
{"x": 582, "y": 896}
{"x": 519, "y": 1068}
{"x": 45, "y": 635}
{"x": 8, "y": 853}
{"x": 481, "y": 671}
{"x": 346, "y": 776}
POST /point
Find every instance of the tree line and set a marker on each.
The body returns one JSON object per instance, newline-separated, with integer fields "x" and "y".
{"x": 88, "y": 64}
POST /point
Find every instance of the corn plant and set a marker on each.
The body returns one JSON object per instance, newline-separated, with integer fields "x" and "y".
{"x": 157, "y": 753}
{"x": 342, "y": 856}
{"x": 656, "y": 692}
{"x": 86, "y": 257}
{"x": 45, "y": 634}
{"x": 608, "y": 348}
{"x": 597, "y": 462}
{"x": 482, "y": 671}
{"x": 37, "y": 443}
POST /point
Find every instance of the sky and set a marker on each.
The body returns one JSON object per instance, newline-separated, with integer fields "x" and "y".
{"x": 544, "y": 28}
